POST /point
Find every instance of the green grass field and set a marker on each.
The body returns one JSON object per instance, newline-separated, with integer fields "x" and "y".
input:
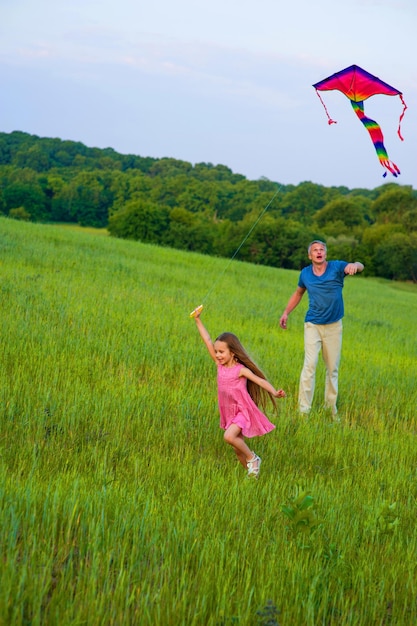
{"x": 120, "y": 502}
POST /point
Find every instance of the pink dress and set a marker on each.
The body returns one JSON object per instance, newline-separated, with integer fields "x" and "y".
{"x": 235, "y": 404}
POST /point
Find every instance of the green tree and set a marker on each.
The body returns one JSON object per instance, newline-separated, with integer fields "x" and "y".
{"x": 396, "y": 257}
{"x": 188, "y": 231}
{"x": 236, "y": 200}
{"x": 344, "y": 247}
{"x": 394, "y": 203}
{"x": 19, "y": 213}
{"x": 303, "y": 201}
{"x": 84, "y": 200}
{"x": 2, "y": 202}
{"x": 409, "y": 220}
{"x": 28, "y": 195}
{"x": 199, "y": 196}
{"x": 372, "y": 238}
{"x": 141, "y": 221}
{"x": 278, "y": 242}
{"x": 35, "y": 157}
{"x": 170, "y": 168}
{"x": 348, "y": 211}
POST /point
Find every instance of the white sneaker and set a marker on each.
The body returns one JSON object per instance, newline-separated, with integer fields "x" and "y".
{"x": 254, "y": 465}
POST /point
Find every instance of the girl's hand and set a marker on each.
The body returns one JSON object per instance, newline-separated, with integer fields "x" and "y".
{"x": 197, "y": 311}
{"x": 280, "y": 393}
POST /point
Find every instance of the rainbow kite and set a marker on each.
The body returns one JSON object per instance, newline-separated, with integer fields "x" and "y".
{"x": 358, "y": 85}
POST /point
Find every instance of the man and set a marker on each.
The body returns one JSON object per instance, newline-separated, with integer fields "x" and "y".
{"x": 323, "y": 280}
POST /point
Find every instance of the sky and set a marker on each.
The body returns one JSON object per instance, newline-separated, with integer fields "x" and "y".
{"x": 224, "y": 82}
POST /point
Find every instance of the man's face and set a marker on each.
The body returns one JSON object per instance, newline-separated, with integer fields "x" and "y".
{"x": 317, "y": 253}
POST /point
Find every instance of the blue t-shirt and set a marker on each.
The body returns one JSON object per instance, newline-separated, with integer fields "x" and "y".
{"x": 324, "y": 292}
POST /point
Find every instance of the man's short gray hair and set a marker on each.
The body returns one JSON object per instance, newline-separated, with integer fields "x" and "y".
{"x": 316, "y": 241}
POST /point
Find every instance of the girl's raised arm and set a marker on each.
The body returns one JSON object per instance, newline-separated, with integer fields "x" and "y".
{"x": 205, "y": 336}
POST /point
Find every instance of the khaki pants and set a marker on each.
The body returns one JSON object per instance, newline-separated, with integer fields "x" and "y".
{"x": 326, "y": 338}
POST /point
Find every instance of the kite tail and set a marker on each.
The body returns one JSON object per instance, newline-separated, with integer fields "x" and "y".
{"x": 377, "y": 137}
{"x": 401, "y": 117}
{"x": 325, "y": 108}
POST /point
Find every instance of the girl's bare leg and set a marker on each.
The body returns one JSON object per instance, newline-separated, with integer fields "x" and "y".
{"x": 241, "y": 458}
{"x": 233, "y": 436}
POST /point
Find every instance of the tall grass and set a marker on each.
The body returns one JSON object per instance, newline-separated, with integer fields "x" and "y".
{"x": 120, "y": 503}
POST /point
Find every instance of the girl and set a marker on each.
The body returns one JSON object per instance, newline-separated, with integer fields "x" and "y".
{"x": 241, "y": 388}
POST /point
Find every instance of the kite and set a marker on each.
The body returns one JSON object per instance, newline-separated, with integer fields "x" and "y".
{"x": 358, "y": 85}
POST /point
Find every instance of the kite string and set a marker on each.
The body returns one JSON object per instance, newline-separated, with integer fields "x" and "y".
{"x": 264, "y": 210}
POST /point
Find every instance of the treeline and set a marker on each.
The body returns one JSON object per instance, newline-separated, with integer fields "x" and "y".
{"x": 207, "y": 208}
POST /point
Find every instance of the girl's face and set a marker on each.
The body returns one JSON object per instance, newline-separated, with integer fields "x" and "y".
{"x": 223, "y": 353}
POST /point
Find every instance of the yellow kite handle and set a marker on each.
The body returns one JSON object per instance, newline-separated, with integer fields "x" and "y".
{"x": 196, "y": 311}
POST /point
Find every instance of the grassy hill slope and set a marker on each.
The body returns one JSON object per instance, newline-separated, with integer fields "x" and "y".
{"x": 120, "y": 503}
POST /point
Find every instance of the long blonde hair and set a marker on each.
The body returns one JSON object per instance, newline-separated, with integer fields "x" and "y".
{"x": 258, "y": 394}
